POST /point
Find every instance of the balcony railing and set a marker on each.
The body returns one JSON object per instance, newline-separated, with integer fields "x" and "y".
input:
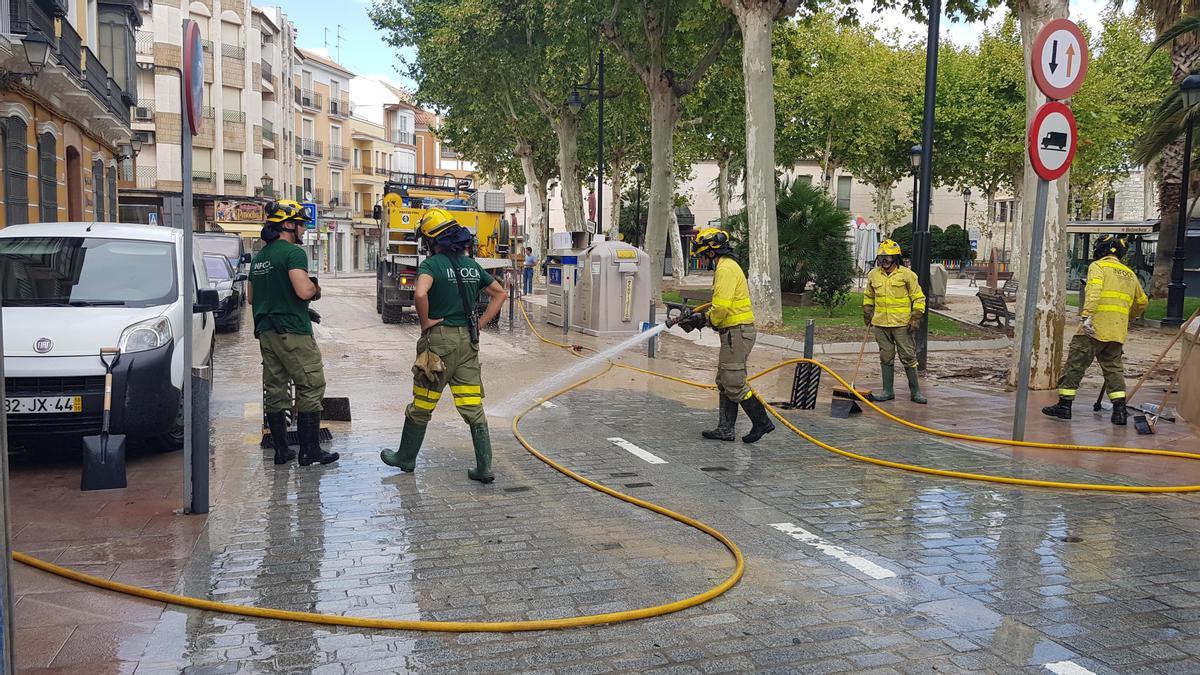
{"x": 268, "y": 71}
{"x": 309, "y": 98}
{"x": 146, "y": 177}
{"x": 70, "y": 46}
{"x": 206, "y": 45}
{"x": 235, "y": 178}
{"x": 233, "y": 51}
{"x": 308, "y": 148}
{"x": 208, "y": 112}
{"x": 236, "y": 116}
{"x": 318, "y": 195}
{"x": 380, "y": 171}
{"x": 144, "y": 40}
{"x": 268, "y": 131}
{"x": 118, "y": 101}
{"x": 448, "y": 153}
{"x": 363, "y": 168}
{"x": 339, "y": 153}
{"x": 95, "y": 77}
{"x": 403, "y": 138}
{"x": 338, "y": 198}
{"x": 26, "y": 16}
{"x": 203, "y": 176}
{"x": 339, "y": 107}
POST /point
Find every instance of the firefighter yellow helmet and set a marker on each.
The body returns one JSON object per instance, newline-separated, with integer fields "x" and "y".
{"x": 435, "y": 223}
{"x": 286, "y": 210}
{"x": 711, "y": 240}
{"x": 888, "y": 247}
{"x": 1110, "y": 244}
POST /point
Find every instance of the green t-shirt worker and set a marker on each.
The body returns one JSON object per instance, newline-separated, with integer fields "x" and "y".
{"x": 448, "y": 282}
{"x": 280, "y": 290}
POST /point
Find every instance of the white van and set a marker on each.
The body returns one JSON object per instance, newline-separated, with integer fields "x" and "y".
{"x": 71, "y": 288}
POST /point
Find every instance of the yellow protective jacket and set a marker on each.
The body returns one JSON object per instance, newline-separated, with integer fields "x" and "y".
{"x": 731, "y": 296}
{"x": 894, "y": 296}
{"x": 1112, "y": 296}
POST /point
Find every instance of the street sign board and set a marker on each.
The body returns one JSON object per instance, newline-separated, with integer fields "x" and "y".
{"x": 1052, "y": 140}
{"x": 1060, "y": 58}
{"x": 193, "y": 78}
{"x": 311, "y": 208}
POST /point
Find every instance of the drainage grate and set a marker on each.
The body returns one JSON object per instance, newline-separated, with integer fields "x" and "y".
{"x": 637, "y": 485}
{"x": 1071, "y": 540}
{"x": 523, "y": 488}
{"x": 627, "y": 474}
{"x": 713, "y": 468}
{"x": 611, "y": 546}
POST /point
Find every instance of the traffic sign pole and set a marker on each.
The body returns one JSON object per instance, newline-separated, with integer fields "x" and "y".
{"x": 195, "y": 464}
{"x": 1032, "y": 283}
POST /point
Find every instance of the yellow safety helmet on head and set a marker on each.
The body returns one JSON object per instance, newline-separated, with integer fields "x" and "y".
{"x": 888, "y": 247}
{"x": 286, "y": 210}
{"x": 436, "y": 222}
{"x": 711, "y": 240}
{"x": 1110, "y": 244}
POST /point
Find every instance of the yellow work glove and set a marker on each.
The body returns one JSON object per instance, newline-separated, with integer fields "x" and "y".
{"x": 914, "y": 321}
{"x": 868, "y": 314}
{"x": 428, "y": 367}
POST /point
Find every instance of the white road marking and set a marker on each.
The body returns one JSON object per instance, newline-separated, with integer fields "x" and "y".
{"x": 856, "y": 561}
{"x": 643, "y": 454}
{"x": 1067, "y": 668}
{"x": 548, "y": 404}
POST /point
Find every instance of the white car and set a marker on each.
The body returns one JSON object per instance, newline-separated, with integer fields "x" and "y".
{"x": 70, "y": 289}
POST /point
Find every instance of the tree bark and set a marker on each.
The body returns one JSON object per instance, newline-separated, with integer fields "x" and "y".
{"x": 756, "y": 20}
{"x": 566, "y": 130}
{"x": 664, "y": 113}
{"x": 618, "y": 186}
{"x": 723, "y": 188}
{"x": 1050, "y": 315}
{"x": 678, "y": 264}
{"x": 535, "y": 188}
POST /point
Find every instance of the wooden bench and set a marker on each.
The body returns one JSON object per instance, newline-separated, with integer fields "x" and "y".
{"x": 977, "y": 274}
{"x": 1009, "y": 290}
{"x": 995, "y": 310}
{"x": 695, "y": 296}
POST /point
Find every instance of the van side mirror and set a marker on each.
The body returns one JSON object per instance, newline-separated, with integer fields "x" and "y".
{"x": 207, "y": 300}
{"x": 377, "y": 212}
{"x": 242, "y": 277}
{"x": 247, "y": 258}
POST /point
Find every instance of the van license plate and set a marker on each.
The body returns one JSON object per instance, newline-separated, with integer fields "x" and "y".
{"x": 43, "y": 405}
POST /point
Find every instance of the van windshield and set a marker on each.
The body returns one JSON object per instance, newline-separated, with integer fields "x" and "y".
{"x": 86, "y": 271}
{"x": 230, "y": 247}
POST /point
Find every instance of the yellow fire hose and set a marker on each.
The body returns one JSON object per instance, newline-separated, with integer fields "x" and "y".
{"x": 657, "y": 610}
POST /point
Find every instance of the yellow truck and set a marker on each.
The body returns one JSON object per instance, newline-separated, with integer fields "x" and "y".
{"x": 406, "y": 197}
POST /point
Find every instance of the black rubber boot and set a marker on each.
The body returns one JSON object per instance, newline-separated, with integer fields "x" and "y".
{"x": 1119, "y": 414}
{"x": 277, "y": 426}
{"x": 1062, "y": 409}
{"x": 405, "y": 457}
{"x": 889, "y": 380}
{"x": 758, "y": 415}
{"x": 728, "y": 417}
{"x": 483, "y": 454}
{"x": 914, "y": 386}
{"x": 309, "y": 426}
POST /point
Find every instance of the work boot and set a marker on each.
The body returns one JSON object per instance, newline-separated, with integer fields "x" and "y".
{"x": 1119, "y": 415}
{"x": 914, "y": 386}
{"x": 277, "y": 427}
{"x": 889, "y": 381}
{"x": 724, "y": 430}
{"x": 1062, "y": 409}
{"x": 483, "y": 454}
{"x": 309, "y": 426}
{"x": 405, "y": 457}
{"x": 758, "y": 415}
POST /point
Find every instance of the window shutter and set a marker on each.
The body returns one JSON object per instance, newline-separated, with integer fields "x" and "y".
{"x": 48, "y": 178}
{"x": 16, "y": 172}
{"x": 98, "y": 188}
{"x": 112, "y": 193}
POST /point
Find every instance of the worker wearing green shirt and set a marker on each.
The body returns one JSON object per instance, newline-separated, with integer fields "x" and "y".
{"x": 448, "y": 282}
{"x": 279, "y": 292}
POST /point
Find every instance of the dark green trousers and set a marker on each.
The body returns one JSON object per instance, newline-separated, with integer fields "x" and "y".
{"x": 288, "y": 358}
{"x": 1084, "y": 350}
{"x": 893, "y": 340}
{"x": 463, "y": 374}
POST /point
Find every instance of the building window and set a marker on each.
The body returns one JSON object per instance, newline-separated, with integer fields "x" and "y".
{"x": 357, "y": 159}
{"x": 47, "y": 178}
{"x": 112, "y": 192}
{"x": 1110, "y": 207}
{"x": 16, "y": 171}
{"x": 806, "y": 179}
{"x": 115, "y": 48}
{"x": 843, "y": 192}
{"x": 98, "y": 188}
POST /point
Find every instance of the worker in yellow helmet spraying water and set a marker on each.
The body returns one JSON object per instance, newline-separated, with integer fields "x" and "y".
{"x": 731, "y": 315}
{"x": 893, "y": 303}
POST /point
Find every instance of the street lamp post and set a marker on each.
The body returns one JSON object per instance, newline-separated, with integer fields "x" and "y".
{"x": 914, "y": 157}
{"x": 638, "y": 171}
{"x": 966, "y": 235}
{"x": 575, "y": 101}
{"x": 921, "y": 228}
{"x": 1190, "y": 87}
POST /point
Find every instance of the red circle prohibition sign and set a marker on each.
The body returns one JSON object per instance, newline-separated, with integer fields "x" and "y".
{"x": 1035, "y": 57}
{"x": 1036, "y": 135}
{"x": 193, "y": 78}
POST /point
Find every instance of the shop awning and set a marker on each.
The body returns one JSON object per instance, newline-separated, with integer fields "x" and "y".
{"x": 250, "y": 230}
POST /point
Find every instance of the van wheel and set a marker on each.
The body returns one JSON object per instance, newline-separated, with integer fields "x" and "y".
{"x": 173, "y": 439}
{"x": 378, "y": 298}
{"x": 393, "y": 313}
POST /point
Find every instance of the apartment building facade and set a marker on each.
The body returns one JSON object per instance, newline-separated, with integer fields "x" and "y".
{"x": 321, "y": 93}
{"x": 371, "y": 156}
{"x": 238, "y": 161}
{"x": 66, "y": 87}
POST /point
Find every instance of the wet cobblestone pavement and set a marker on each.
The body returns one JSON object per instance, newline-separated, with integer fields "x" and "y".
{"x": 849, "y": 567}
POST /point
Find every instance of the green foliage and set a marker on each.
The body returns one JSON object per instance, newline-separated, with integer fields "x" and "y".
{"x": 810, "y": 227}
{"x": 951, "y": 244}
{"x": 832, "y": 275}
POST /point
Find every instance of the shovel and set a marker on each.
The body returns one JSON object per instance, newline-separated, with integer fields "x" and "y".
{"x": 1145, "y": 423}
{"x": 104, "y": 455}
{"x": 845, "y": 403}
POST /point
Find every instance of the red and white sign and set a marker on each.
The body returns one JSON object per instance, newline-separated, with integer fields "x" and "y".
{"x": 1052, "y": 140}
{"x": 193, "y": 77}
{"x": 1060, "y": 59}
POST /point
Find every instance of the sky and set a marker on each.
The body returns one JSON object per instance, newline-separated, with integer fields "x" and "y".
{"x": 364, "y": 52}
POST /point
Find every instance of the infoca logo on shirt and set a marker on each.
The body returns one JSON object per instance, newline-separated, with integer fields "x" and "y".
{"x": 466, "y": 274}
